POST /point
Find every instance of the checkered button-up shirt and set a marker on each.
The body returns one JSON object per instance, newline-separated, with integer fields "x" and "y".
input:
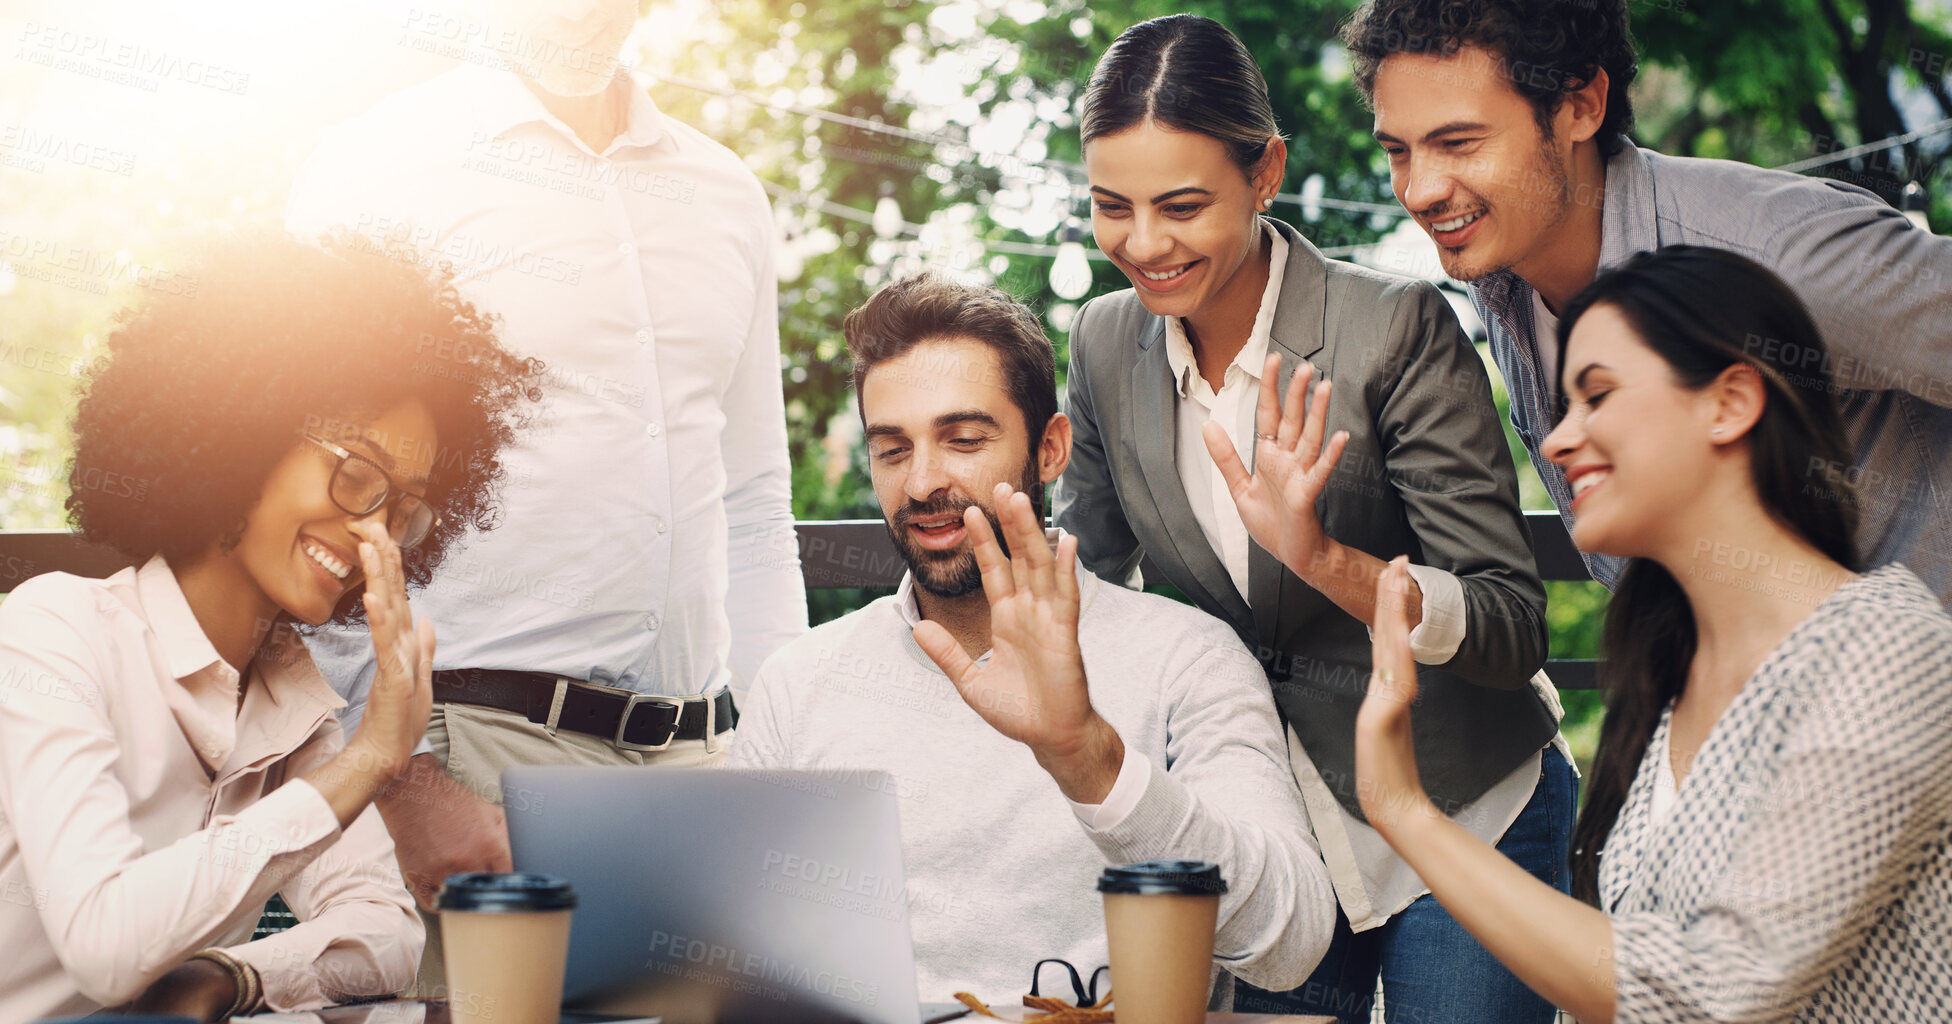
{"x": 1879, "y": 289}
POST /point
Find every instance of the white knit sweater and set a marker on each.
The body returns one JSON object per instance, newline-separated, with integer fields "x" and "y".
{"x": 1000, "y": 870}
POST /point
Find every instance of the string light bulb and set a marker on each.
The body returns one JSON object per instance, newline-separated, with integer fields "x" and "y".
{"x": 1311, "y": 198}
{"x": 1071, "y": 271}
{"x": 1913, "y": 203}
{"x": 887, "y": 222}
{"x": 788, "y": 264}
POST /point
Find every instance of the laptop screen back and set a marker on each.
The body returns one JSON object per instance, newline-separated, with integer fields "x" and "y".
{"x": 715, "y": 895}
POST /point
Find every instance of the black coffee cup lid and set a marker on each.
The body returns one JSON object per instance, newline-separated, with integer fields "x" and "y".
{"x": 1164, "y": 877}
{"x": 505, "y": 892}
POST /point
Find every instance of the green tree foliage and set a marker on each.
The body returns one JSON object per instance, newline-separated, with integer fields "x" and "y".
{"x": 1776, "y": 81}
{"x": 838, "y": 55}
{"x": 963, "y": 113}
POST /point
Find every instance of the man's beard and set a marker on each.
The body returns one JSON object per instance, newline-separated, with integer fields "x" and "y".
{"x": 953, "y": 573}
{"x": 1547, "y": 187}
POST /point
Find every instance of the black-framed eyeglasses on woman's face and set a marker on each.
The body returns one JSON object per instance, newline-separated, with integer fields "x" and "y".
{"x": 359, "y": 486}
{"x": 1087, "y": 995}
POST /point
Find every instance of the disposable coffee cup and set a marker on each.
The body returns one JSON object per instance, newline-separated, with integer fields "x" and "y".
{"x": 505, "y": 941}
{"x": 1159, "y": 922}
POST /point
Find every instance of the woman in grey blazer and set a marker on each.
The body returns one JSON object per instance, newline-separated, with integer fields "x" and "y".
{"x": 1184, "y": 155}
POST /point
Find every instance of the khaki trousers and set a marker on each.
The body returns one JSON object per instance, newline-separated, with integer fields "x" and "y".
{"x": 475, "y": 743}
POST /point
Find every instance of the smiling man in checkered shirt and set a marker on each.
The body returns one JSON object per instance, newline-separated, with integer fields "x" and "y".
{"x": 1508, "y": 145}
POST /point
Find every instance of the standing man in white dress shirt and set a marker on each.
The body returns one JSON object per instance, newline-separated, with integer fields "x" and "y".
{"x": 646, "y": 561}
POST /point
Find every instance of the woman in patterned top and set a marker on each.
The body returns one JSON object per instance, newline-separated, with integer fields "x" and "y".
{"x": 1767, "y": 834}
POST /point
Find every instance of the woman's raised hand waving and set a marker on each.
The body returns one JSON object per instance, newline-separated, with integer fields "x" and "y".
{"x": 402, "y": 693}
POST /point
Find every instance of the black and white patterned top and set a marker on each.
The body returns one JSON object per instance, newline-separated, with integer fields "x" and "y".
{"x": 1803, "y": 873}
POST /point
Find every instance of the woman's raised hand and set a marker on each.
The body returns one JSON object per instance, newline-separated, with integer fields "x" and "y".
{"x": 1386, "y": 761}
{"x": 402, "y": 693}
{"x": 1291, "y": 468}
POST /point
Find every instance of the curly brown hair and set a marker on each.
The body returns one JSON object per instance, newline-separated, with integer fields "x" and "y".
{"x": 1547, "y": 48}
{"x": 205, "y": 389}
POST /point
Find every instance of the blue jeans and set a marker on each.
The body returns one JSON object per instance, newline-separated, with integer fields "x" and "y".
{"x": 1431, "y": 968}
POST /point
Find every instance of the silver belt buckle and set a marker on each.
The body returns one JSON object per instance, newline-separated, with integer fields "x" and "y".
{"x": 633, "y": 698}
{"x": 630, "y": 706}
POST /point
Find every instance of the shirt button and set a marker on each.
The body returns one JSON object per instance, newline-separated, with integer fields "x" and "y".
{"x": 652, "y": 429}
{"x": 659, "y": 523}
{"x": 643, "y": 337}
{"x": 651, "y": 623}
{"x": 626, "y": 248}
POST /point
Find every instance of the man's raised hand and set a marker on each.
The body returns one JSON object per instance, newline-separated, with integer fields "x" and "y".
{"x": 1032, "y": 688}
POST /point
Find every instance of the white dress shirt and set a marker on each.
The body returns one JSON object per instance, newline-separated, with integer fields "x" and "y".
{"x": 1371, "y": 881}
{"x": 145, "y": 814}
{"x": 646, "y": 536}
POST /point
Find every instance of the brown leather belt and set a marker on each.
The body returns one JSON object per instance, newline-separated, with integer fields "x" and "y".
{"x": 629, "y": 720}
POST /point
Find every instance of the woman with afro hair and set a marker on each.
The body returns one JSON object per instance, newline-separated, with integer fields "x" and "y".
{"x": 294, "y": 440}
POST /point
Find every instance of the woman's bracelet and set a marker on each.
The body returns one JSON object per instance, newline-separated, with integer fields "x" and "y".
{"x": 250, "y": 986}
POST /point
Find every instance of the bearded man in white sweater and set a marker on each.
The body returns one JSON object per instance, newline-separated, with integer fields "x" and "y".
{"x": 1040, "y": 724}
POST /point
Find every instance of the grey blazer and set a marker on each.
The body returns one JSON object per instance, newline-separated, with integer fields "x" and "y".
{"x": 1426, "y": 473}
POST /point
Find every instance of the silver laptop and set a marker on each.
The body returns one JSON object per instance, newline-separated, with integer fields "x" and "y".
{"x": 718, "y": 896}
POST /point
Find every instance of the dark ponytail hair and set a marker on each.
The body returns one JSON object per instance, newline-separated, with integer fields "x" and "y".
{"x": 1188, "y": 73}
{"x": 1703, "y": 310}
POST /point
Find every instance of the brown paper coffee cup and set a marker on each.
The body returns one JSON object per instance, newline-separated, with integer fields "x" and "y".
{"x": 1159, "y": 924}
{"x": 505, "y": 941}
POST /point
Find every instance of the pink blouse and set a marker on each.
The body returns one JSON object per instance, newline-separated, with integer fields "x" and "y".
{"x": 144, "y": 816}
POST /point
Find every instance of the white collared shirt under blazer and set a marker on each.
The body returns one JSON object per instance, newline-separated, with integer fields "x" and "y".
{"x": 145, "y": 814}
{"x": 1802, "y": 873}
{"x": 1371, "y": 880}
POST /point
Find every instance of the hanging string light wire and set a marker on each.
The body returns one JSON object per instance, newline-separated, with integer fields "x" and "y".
{"x": 1069, "y": 171}
{"x": 1309, "y": 199}
{"x": 1074, "y": 172}
{"x": 856, "y": 215}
